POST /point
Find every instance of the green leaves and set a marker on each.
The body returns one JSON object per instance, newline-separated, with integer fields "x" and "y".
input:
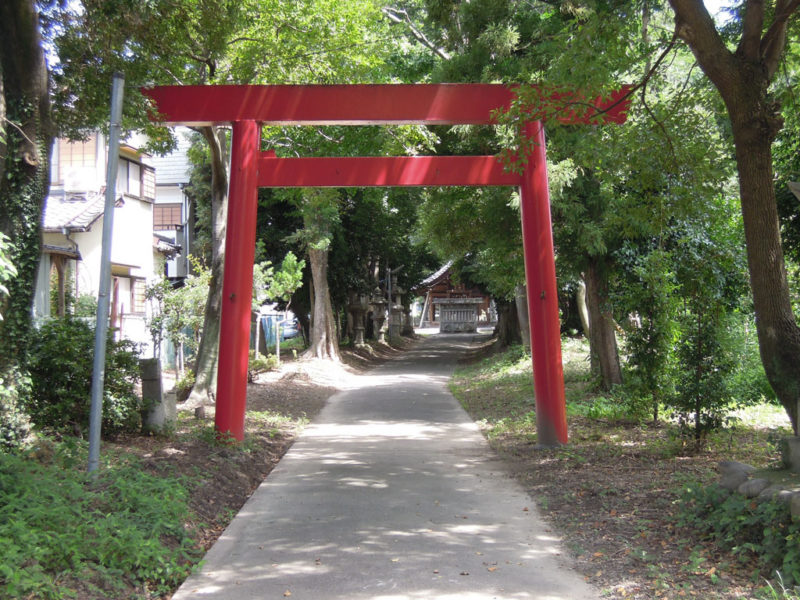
{"x": 61, "y": 377}
{"x": 288, "y": 279}
{"x": 178, "y": 313}
{"x": 763, "y": 531}
{"x": 48, "y": 512}
{"x": 271, "y": 285}
{"x": 7, "y": 269}
{"x": 320, "y": 210}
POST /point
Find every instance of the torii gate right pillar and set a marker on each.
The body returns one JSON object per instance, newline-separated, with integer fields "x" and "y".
{"x": 540, "y": 276}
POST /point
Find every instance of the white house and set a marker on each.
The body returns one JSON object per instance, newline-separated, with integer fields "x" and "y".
{"x": 72, "y": 233}
{"x": 173, "y": 219}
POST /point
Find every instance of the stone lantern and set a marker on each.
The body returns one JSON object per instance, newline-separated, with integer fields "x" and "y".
{"x": 358, "y": 307}
{"x": 408, "y": 324}
{"x": 396, "y": 309}
{"x": 378, "y": 314}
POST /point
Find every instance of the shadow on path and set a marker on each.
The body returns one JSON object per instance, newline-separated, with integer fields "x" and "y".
{"x": 391, "y": 493}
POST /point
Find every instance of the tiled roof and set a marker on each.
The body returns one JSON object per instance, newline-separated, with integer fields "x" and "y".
{"x": 165, "y": 246}
{"x": 432, "y": 279}
{"x": 76, "y": 212}
{"x": 61, "y": 251}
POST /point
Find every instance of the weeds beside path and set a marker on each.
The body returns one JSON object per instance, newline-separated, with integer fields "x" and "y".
{"x": 159, "y": 502}
{"x": 612, "y": 493}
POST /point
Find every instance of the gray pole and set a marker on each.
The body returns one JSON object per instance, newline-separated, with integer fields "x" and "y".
{"x": 101, "y": 329}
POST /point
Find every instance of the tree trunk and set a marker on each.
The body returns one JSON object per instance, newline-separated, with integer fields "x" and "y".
{"x": 743, "y": 78}
{"x": 324, "y": 342}
{"x": 583, "y": 310}
{"x": 205, "y": 386}
{"x": 507, "y": 330}
{"x": 778, "y": 334}
{"x": 586, "y": 324}
{"x": 602, "y": 337}
{"x": 521, "y": 301}
{"x": 26, "y": 136}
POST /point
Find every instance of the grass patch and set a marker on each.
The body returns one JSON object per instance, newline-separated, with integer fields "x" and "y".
{"x": 498, "y": 392}
{"x": 292, "y": 346}
{"x": 269, "y": 418}
{"x": 63, "y": 534}
{"x": 614, "y": 492}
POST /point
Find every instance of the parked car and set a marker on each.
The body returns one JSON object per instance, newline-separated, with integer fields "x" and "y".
{"x": 290, "y": 329}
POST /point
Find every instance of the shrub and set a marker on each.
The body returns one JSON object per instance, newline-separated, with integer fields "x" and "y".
{"x": 85, "y": 306}
{"x": 184, "y": 385}
{"x": 260, "y": 364}
{"x": 61, "y": 379}
{"x": 751, "y": 530}
{"x": 61, "y": 530}
{"x": 15, "y": 425}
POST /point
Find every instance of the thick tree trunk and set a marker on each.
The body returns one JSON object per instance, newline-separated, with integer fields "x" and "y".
{"x": 205, "y": 386}
{"x": 26, "y": 135}
{"x": 778, "y": 334}
{"x": 324, "y": 342}
{"x": 521, "y": 301}
{"x": 507, "y": 330}
{"x": 743, "y": 78}
{"x": 602, "y": 337}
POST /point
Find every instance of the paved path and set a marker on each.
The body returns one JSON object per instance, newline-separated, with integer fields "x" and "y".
{"x": 390, "y": 494}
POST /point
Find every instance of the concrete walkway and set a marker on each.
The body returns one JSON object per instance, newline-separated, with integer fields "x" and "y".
{"x": 391, "y": 493}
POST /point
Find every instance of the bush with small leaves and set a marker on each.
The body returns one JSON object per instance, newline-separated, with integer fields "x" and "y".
{"x": 60, "y": 365}
{"x": 184, "y": 385}
{"x": 260, "y": 364}
{"x": 763, "y": 531}
{"x": 15, "y": 425}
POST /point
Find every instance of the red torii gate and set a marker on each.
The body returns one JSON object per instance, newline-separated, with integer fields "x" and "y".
{"x": 248, "y": 107}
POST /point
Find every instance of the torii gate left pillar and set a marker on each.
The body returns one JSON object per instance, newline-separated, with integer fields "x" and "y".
{"x": 237, "y": 283}
{"x": 247, "y": 107}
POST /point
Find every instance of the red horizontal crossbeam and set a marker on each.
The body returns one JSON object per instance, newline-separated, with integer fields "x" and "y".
{"x": 383, "y": 171}
{"x": 385, "y": 104}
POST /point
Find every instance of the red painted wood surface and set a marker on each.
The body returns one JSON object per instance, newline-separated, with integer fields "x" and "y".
{"x": 237, "y": 282}
{"x": 383, "y": 171}
{"x": 249, "y": 106}
{"x": 443, "y": 104}
{"x": 540, "y": 277}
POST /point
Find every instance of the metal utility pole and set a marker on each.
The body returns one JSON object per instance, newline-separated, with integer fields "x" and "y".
{"x": 101, "y": 328}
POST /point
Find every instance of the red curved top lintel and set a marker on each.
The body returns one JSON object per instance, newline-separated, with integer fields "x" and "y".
{"x": 380, "y": 104}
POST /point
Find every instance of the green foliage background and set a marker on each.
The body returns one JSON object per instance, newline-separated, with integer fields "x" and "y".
{"x": 60, "y": 365}
{"x": 61, "y": 530}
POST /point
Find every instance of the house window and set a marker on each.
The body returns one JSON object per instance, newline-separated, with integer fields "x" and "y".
{"x": 75, "y": 155}
{"x": 136, "y": 179}
{"x": 122, "y": 176}
{"x": 167, "y": 216}
{"x": 148, "y": 182}
{"x": 137, "y": 295}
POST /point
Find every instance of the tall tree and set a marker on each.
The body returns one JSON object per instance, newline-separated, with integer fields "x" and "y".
{"x": 26, "y": 135}
{"x": 207, "y": 42}
{"x": 182, "y": 42}
{"x": 205, "y": 367}
{"x": 743, "y": 77}
{"x": 319, "y": 208}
